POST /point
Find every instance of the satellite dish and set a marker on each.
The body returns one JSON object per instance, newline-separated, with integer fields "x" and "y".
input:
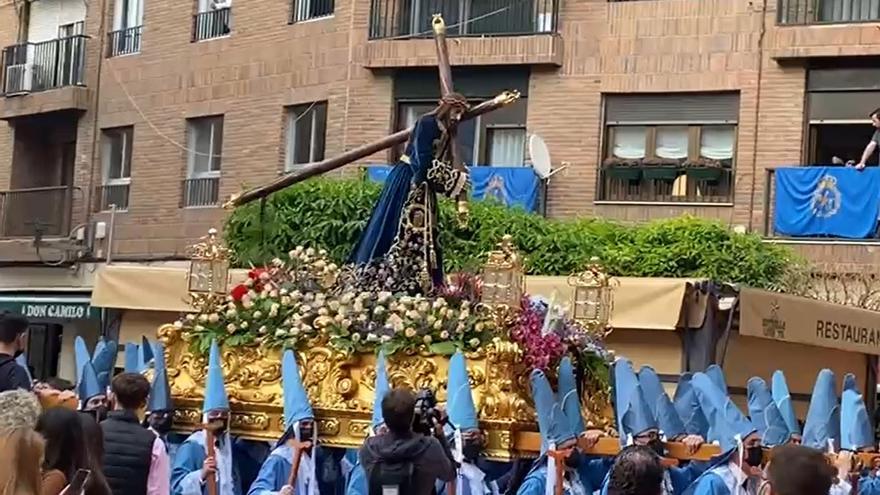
{"x": 540, "y": 156}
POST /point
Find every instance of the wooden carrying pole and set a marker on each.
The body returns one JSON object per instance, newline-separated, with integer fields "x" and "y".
{"x": 318, "y": 168}
{"x": 211, "y": 482}
{"x": 298, "y": 449}
{"x": 560, "y": 456}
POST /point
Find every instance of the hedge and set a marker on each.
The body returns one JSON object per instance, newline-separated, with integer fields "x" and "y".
{"x": 330, "y": 214}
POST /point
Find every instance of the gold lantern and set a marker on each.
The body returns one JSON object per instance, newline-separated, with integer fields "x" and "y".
{"x": 503, "y": 276}
{"x": 209, "y": 268}
{"x": 592, "y": 298}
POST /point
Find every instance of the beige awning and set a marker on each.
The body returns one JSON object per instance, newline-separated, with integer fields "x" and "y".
{"x": 788, "y": 318}
{"x": 639, "y": 303}
{"x": 145, "y": 288}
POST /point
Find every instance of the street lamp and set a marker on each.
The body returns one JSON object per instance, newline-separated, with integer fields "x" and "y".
{"x": 503, "y": 276}
{"x": 592, "y": 298}
{"x": 209, "y": 267}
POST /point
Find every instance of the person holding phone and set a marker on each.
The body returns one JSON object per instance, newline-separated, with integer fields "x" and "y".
{"x": 67, "y": 454}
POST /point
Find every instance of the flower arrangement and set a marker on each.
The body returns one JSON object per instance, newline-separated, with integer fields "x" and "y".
{"x": 293, "y": 301}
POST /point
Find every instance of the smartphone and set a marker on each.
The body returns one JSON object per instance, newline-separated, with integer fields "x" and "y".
{"x": 78, "y": 483}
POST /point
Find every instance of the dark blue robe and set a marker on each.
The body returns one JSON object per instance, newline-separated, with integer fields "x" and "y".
{"x": 399, "y": 250}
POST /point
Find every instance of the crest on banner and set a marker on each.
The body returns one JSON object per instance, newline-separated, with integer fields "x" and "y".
{"x": 826, "y": 199}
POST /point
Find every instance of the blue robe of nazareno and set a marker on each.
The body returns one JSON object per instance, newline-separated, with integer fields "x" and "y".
{"x": 276, "y": 470}
{"x": 679, "y": 477}
{"x": 591, "y": 473}
{"x": 188, "y": 464}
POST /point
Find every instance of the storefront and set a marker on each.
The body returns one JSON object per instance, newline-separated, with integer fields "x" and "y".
{"x": 56, "y": 319}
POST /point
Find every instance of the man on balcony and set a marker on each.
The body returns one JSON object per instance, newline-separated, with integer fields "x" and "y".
{"x": 875, "y": 139}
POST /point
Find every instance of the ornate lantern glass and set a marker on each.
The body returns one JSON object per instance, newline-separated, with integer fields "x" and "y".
{"x": 592, "y": 297}
{"x": 209, "y": 266}
{"x": 503, "y": 276}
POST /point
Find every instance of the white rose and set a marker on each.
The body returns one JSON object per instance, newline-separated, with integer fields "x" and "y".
{"x": 231, "y": 313}
{"x": 444, "y": 335}
{"x": 372, "y": 337}
{"x": 474, "y": 342}
{"x": 386, "y": 338}
{"x": 230, "y": 328}
{"x": 251, "y": 294}
{"x": 438, "y": 325}
{"x": 258, "y": 315}
{"x": 427, "y": 339}
{"x": 310, "y": 252}
{"x": 283, "y": 291}
{"x": 213, "y": 318}
{"x": 263, "y": 329}
{"x": 243, "y": 325}
{"x": 190, "y": 317}
{"x": 355, "y": 337}
{"x": 273, "y": 294}
{"x": 178, "y": 324}
{"x": 280, "y": 332}
{"x": 199, "y": 328}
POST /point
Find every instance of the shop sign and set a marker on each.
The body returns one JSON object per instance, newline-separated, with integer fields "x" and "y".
{"x": 42, "y": 310}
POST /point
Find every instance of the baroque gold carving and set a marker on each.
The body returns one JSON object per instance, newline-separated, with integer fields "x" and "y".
{"x": 341, "y": 388}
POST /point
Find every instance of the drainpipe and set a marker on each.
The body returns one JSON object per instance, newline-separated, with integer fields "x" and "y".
{"x": 757, "y": 116}
{"x": 102, "y": 39}
{"x": 24, "y": 20}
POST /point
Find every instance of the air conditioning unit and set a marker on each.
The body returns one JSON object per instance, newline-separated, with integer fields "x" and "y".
{"x": 19, "y": 78}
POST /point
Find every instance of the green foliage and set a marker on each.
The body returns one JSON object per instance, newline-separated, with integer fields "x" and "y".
{"x": 330, "y": 214}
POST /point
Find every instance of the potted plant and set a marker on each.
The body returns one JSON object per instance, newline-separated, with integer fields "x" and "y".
{"x": 704, "y": 169}
{"x": 661, "y": 168}
{"x": 622, "y": 169}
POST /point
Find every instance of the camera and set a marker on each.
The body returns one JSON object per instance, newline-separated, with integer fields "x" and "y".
{"x": 426, "y": 416}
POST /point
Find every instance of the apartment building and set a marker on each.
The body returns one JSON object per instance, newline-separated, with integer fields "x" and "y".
{"x": 126, "y": 123}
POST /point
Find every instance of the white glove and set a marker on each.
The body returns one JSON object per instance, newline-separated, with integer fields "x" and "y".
{"x": 286, "y": 490}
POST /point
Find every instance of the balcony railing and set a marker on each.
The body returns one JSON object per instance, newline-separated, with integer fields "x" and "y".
{"x": 412, "y": 18}
{"x": 23, "y": 212}
{"x": 304, "y": 10}
{"x": 124, "y": 41}
{"x": 666, "y": 185}
{"x": 212, "y": 24}
{"x": 109, "y": 195}
{"x": 794, "y": 12}
{"x": 31, "y": 67}
{"x": 200, "y": 192}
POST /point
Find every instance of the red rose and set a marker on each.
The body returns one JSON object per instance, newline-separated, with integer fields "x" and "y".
{"x": 238, "y": 292}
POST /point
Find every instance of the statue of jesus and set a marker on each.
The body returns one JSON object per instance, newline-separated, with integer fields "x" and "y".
{"x": 399, "y": 251}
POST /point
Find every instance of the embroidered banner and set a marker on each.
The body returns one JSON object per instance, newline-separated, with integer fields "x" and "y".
{"x": 512, "y": 186}
{"x": 827, "y": 201}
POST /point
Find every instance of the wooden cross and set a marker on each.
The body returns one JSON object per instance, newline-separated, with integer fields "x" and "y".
{"x": 298, "y": 449}
{"x": 318, "y": 168}
{"x": 560, "y": 456}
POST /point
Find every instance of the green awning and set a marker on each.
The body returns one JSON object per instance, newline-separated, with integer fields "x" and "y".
{"x": 50, "y": 306}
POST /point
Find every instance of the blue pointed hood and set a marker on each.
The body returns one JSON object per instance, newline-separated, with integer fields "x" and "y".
{"x": 849, "y": 383}
{"x": 88, "y": 387}
{"x": 131, "y": 358}
{"x": 664, "y": 412}
{"x": 568, "y": 396}
{"x": 296, "y": 401}
{"x": 551, "y": 420}
{"x": 634, "y": 416}
{"x": 726, "y": 421}
{"x": 459, "y": 400}
{"x": 782, "y": 398}
{"x": 688, "y": 407}
{"x": 380, "y": 390}
{"x": 716, "y": 374}
{"x": 215, "y": 388}
{"x": 145, "y": 354}
{"x": 764, "y": 414}
{"x": 160, "y": 392}
{"x": 81, "y": 357}
{"x": 823, "y": 417}
{"x": 855, "y": 425}
{"x": 104, "y": 361}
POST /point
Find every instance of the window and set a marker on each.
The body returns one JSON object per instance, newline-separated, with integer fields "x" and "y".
{"x": 116, "y": 158}
{"x": 204, "y": 143}
{"x": 497, "y": 138}
{"x": 213, "y": 20}
{"x": 669, "y": 148}
{"x": 304, "y": 10}
{"x": 128, "y": 18}
{"x": 306, "y": 130}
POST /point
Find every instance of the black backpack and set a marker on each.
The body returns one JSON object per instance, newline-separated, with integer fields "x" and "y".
{"x": 391, "y": 478}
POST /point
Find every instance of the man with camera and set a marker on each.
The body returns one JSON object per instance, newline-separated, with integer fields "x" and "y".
{"x": 414, "y": 453}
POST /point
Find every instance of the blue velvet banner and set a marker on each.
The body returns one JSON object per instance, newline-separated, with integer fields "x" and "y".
{"x": 827, "y": 201}
{"x": 512, "y": 186}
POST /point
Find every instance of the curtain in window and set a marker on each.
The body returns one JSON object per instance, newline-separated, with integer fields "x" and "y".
{"x": 629, "y": 142}
{"x": 672, "y": 142}
{"x": 506, "y": 147}
{"x": 849, "y": 10}
{"x": 717, "y": 142}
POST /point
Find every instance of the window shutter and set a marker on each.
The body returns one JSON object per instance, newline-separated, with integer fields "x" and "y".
{"x": 684, "y": 108}
{"x": 842, "y": 106}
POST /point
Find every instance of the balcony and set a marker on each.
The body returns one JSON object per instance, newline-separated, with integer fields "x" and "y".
{"x": 203, "y": 192}
{"x": 212, "y": 24}
{"x": 25, "y": 211}
{"x": 43, "y": 77}
{"x": 112, "y": 195}
{"x": 655, "y": 184}
{"x": 806, "y": 12}
{"x": 490, "y": 32}
{"x": 124, "y": 41}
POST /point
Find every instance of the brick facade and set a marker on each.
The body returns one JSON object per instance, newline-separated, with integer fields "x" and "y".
{"x": 267, "y": 64}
